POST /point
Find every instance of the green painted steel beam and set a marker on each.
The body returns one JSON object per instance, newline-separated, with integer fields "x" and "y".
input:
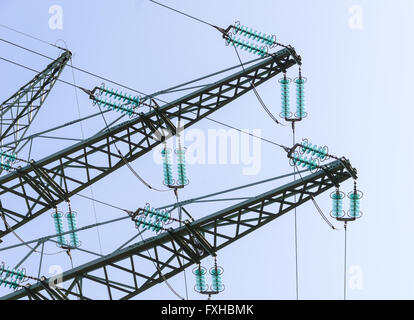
{"x": 32, "y": 190}
{"x": 122, "y": 274}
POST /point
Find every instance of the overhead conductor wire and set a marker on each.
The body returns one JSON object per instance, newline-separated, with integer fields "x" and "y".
{"x": 142, "y": 238}
{"x": 241, "y": 63}
{"x": 105, "y": 79}
{"x": 296, "y": 225}
{"x": 83, "y": 138}
{"x": 125, "y": 161}
{"x": 123, "y": 86}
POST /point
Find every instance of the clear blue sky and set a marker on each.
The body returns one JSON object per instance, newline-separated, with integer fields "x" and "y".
{"x": 358, "y": 97}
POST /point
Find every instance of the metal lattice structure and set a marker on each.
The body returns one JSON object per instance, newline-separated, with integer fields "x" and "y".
{"x": 45, "y": 183}
{"x": 41, "y": 185}
{"x": 174, "y": 251}
{"x": 19, "y": 111}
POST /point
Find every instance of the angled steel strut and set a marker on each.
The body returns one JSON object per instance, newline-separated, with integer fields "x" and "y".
{"x": 19, "y": 111}
{"x": 130, "y": 271}
{"x": 40, "y": 186}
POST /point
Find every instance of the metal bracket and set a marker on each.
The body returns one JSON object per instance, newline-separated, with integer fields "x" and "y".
{"x": 202, "y": 240}
{"x": 190, "y": 252}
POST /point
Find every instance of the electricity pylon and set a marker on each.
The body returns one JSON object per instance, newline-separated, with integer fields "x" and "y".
{"x": 42, "y": 185}
{"x": 122, "y": 275}
{"x": 18, "y": 112}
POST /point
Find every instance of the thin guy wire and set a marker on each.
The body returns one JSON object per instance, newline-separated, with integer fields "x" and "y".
{"x": 296, "y": 230}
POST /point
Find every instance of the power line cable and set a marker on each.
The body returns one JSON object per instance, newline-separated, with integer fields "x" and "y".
{"x": 161, "y": 100}
{"x": 241, "y": 63}
{"x": 317, "y": 206}
{"x": 83, "y": 138}
{"x": 126, "y": 161}
{"x": 345, "y": 249}
{"x": 256, "y": 93}
{"x": 28, "y": 35}
{"x": 296, "y": 225}
{"x": 185, "y": 14}
{"x": 102, "y": 202}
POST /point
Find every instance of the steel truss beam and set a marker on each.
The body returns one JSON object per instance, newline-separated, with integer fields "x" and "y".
{"x": 43, "y": 184}
{"x": 19, "y": 111}
{"x": 129, "y": 271}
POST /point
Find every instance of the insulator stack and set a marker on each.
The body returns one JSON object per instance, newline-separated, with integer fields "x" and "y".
{"x": 11, "y": 277}
{"x": 5, "y": 166}
{"x": 181, "y": 167}
{"x": 298, "y": 160}
{"x": 116, "y": 106}
{"x": 285, "y": 99}
{"x": 157, "y": 214}
{"x": 216, "y": 281}
{"x": 354, "y": 203}
{"x": 11, "y": 157}
{"x": 57, "y": 217}
{"x": 18, "y": 274}
{"x": 300, "y": 97}
{"x": 71, "y": 219}
{"x": 12, "y": 283}
{"x": 146, "y": 225}
{"x": 122, "y": 97}
{"x": 337, "y": 198}
{"x": 320, "y": 152}
{"x": 263, "y": 38}
{"x": 167, "y": 167}
{"x": 6, "y": 159}
{"x": 247, "y": 46}
{"x": 200, "y": 277}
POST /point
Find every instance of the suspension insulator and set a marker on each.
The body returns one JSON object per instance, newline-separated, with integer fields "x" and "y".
{"x": 298, "y": 160}
{"x": 320, "y": 152}
{"x": 245, "y": 45}
{"x": 337, "y": 197}
{"x": 300, "y": 97}
{"x": 146, "y": 225}
{"x": 269, "y": 40}
{"x": 118, "y": 95}
{"x": 181, "y": 167}
{"x": 12, "y": 283}
{"x": 285, "y": 99}
{"x": 6, "y": 159}
{"x": 167, "y": 167}
{"x": 17, "y": 274}
{"x": 200, "y": 278}
{"x": 71, "y": 219}
{"x": 58, "y": 219}
{"x": 162, "y": 215}
{"x": 216, "y": 281}
{"x": 116, "y": 106}
{"x": 5, "y": 165}
{"x": 157, "y": 214}
{"x": 9, "y": 156}
{"x": 354, "y": 203}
